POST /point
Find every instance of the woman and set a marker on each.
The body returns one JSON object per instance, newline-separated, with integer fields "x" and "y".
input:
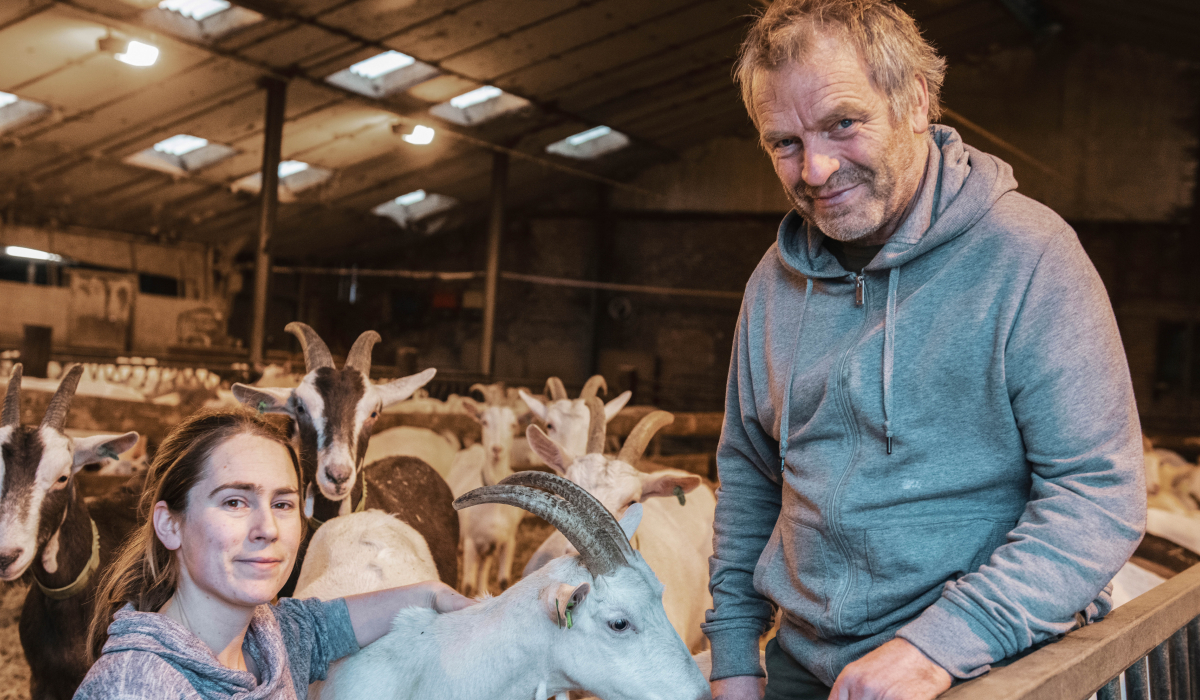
{"x": 189, "y": 597}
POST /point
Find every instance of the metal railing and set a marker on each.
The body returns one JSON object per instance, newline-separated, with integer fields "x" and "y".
{"x": 1153, "y": 642}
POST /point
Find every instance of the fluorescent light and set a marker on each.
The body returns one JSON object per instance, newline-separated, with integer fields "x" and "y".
{"x": 291, "y": 167}
{"x": 139, "y": 54}
{"x": 421, "y": 135}
{"x": 196, "y": 9}
{"x": 474, "y": 97}
{"x": 18, "y": 252}
{"x": 383, "y": 63}
{"x": 180, "y": 144}
{"x": 405, "y": 200}
{"x": 589, "y": 135}
{"x": 7, "y": 99}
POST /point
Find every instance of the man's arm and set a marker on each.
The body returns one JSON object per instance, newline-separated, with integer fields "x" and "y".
{"x": 1072, "y": 398}
{"x": 748, "y": 503}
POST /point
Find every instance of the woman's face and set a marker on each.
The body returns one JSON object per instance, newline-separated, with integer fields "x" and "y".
{"x": 237, "y": 541}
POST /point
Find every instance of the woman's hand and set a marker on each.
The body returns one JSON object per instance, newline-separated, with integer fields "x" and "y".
{"x": 371, "y": 613}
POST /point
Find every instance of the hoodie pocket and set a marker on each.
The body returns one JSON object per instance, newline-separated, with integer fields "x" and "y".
{"x": 909, "y": 565}
{"x": 794, "y": 572}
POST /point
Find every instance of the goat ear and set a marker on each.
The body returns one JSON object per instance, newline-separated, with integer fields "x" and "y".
{"x": 399, "y": 389}
{"x": 538, "y": 408}
{"x": 563, "y": 598}
{"x": 612, "y": 408}
{"x": 631, "y": 520}
{"x": 550, "y": 451}
{"x": 90, "y": 450}
{"x": 664, "y": 483}
{"x": 263, "y": 399}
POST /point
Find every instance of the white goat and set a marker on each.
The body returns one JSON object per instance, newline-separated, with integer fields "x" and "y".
{"x": 677, "y": 529}
{"x": 406, "y": 441}
{"x": 568, "y": 420}
{"x": 594, "y": 623}
{"x": 363, "y": 552}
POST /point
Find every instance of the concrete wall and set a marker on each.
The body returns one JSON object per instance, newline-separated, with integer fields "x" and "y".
{"x": 22, "y": 304}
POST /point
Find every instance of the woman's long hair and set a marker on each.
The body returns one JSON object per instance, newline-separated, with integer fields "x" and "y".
{"x": 145, "y": 572}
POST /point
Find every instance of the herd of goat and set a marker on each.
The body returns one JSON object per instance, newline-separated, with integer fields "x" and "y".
{"x": 629, "y": 558}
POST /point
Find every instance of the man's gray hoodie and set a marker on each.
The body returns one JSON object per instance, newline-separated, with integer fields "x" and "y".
{"x": 962, "y": 460}
{"x": 149, "y": 655}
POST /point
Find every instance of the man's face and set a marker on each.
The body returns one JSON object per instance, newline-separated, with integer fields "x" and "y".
{"x": 846, "y": 166}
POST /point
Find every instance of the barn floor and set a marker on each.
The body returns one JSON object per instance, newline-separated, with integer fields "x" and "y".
{"x": 14, "y": 673}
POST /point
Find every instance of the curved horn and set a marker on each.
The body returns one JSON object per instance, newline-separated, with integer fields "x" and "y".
{"x": 595, "y": 385}
{"x": 597, "y": 426}
{"x": 316, "y": 352}
{"x": 555, "y": 388}
{"x": 590, "y": 508}
{"x": 641, "y": 435}
{"x": 60, "y": 403}
{"x": 360, "y": 353}
{"x": 483, "y": 390}
{"x": 12, "y": 399}
{"x": 589, "y": 535}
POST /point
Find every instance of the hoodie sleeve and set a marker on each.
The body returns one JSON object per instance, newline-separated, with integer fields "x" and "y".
{"x": 1072, "y": 398}
{"x": 316, "y": 634}
{"x": 748, "y": 504}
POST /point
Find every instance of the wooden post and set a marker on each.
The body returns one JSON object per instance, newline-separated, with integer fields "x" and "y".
{"x": 495, "y": 229}
{"x": 269, "y": 206}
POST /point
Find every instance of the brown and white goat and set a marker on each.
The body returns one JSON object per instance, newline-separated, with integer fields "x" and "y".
{"x": 333, "y": 414}
{"x": 48, "y": 531}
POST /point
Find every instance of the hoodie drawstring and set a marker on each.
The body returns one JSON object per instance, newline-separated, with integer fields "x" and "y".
{"x": 785, "y": 412}
{"x": 889, "y": 352}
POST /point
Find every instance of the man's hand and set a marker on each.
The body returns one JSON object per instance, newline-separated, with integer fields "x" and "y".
{"x": 895, "y": 671}
{"x": 739, "y": 688}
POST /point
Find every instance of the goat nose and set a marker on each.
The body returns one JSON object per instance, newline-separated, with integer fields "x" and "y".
{"x": 8, "y": 557}
{"x": 337, "y": 476}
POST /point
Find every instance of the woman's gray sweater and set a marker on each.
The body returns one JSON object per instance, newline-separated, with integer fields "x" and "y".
{"x": 149, "y": 655}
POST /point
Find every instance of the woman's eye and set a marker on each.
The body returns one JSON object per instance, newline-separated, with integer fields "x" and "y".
{"x": 618, "y": 625}
{"x": 234, "y": 502}
{"x": 285, "y": 505}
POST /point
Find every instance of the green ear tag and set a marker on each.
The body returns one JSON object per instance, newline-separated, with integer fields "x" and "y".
{"x": 679, "y": 494}
{"x": 107, "y": 452}
{"x": 558, "y": 613}
{"x": 262, "y": 407}
{"x": 569, "y": 621}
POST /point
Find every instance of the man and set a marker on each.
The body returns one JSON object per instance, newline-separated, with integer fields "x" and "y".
{"x": 931, "y": 458}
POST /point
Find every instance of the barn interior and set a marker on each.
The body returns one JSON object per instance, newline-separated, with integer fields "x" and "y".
{"x": 513, "y": 190}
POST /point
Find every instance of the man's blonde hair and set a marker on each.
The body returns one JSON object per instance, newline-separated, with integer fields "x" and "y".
{"x": 886, "y": 37}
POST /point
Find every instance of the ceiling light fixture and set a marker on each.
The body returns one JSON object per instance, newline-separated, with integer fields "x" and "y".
{"x": 17, "y": 251}
{"x": 139, "y": 54}
{"x": 420, "y": 136}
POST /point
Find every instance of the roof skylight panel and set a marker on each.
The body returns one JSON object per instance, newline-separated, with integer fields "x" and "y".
{"x": 418, "y": 205}
{"x": 180, "y": 144}
{"x": 180, "y": 155}
{"x": 17, "y": 112}
{"x": 590, "y": 144}
{"x": 7, "y": 98}
{"x": 478, "y": 106}
{"x": 294, "y": 177}
{"x": 383, "y": 74}
{"x": 199, "y": 20}
{"x": 198, "y": 10}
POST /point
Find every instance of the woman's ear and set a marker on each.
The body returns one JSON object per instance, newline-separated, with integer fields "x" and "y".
{"x": 166, "y": 526}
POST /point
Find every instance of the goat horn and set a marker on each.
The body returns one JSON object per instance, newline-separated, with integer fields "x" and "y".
{"x": 483, "y": 391}
{"x": 360, "y": 353}
{"x": 597, "y": 426}
{"x": 590, "y": 508}
{"x": 60, "y": 403}
{"x": 555, "y": 387}
{"x": 598, "y": 553}
{"x": 595, "y": 385}
{"x": 12, "y": 399}
{"x": 642, "y": 434}
{"x": 316, "y": 352}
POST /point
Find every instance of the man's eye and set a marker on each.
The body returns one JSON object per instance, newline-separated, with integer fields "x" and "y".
{"x": 845, "y": 123}
{"x": 785, "y": 143}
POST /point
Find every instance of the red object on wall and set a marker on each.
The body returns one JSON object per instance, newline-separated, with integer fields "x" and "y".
{"x": 445, "y": 300}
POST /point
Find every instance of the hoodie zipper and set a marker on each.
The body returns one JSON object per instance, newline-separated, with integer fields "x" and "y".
{"x": 858, "y": 289}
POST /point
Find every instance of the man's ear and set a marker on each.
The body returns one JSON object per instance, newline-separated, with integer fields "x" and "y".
{"x": 90, "y": 450}
{"x": 664, "y": 484}
{"x": 563, "y": 602}
{"x": 538, "y": 408}
{"x": 920, "y": 117}
{"x": 550, "y": 451}
{"x": 166, "y": 527}
{"x": 631, "y": 520}
{"x": 399, "y": 389}
{"x": 612, "y": 408}
{"x": 264, "y": 399}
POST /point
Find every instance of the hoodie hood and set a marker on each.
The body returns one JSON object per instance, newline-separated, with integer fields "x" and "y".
{"x": 961, "y": 185}
{"x": 172, "y": 642}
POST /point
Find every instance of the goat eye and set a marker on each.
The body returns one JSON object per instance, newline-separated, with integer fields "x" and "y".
{"x": 300, "y": 408}
{"x": 549, "y": 426}
{"x": 374, "y": 413}
{"x": 618, "y": 625}
{"x": 62, "y": 479}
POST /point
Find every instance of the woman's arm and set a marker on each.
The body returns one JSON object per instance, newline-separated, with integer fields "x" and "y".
{"x": 371, "y": 613}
